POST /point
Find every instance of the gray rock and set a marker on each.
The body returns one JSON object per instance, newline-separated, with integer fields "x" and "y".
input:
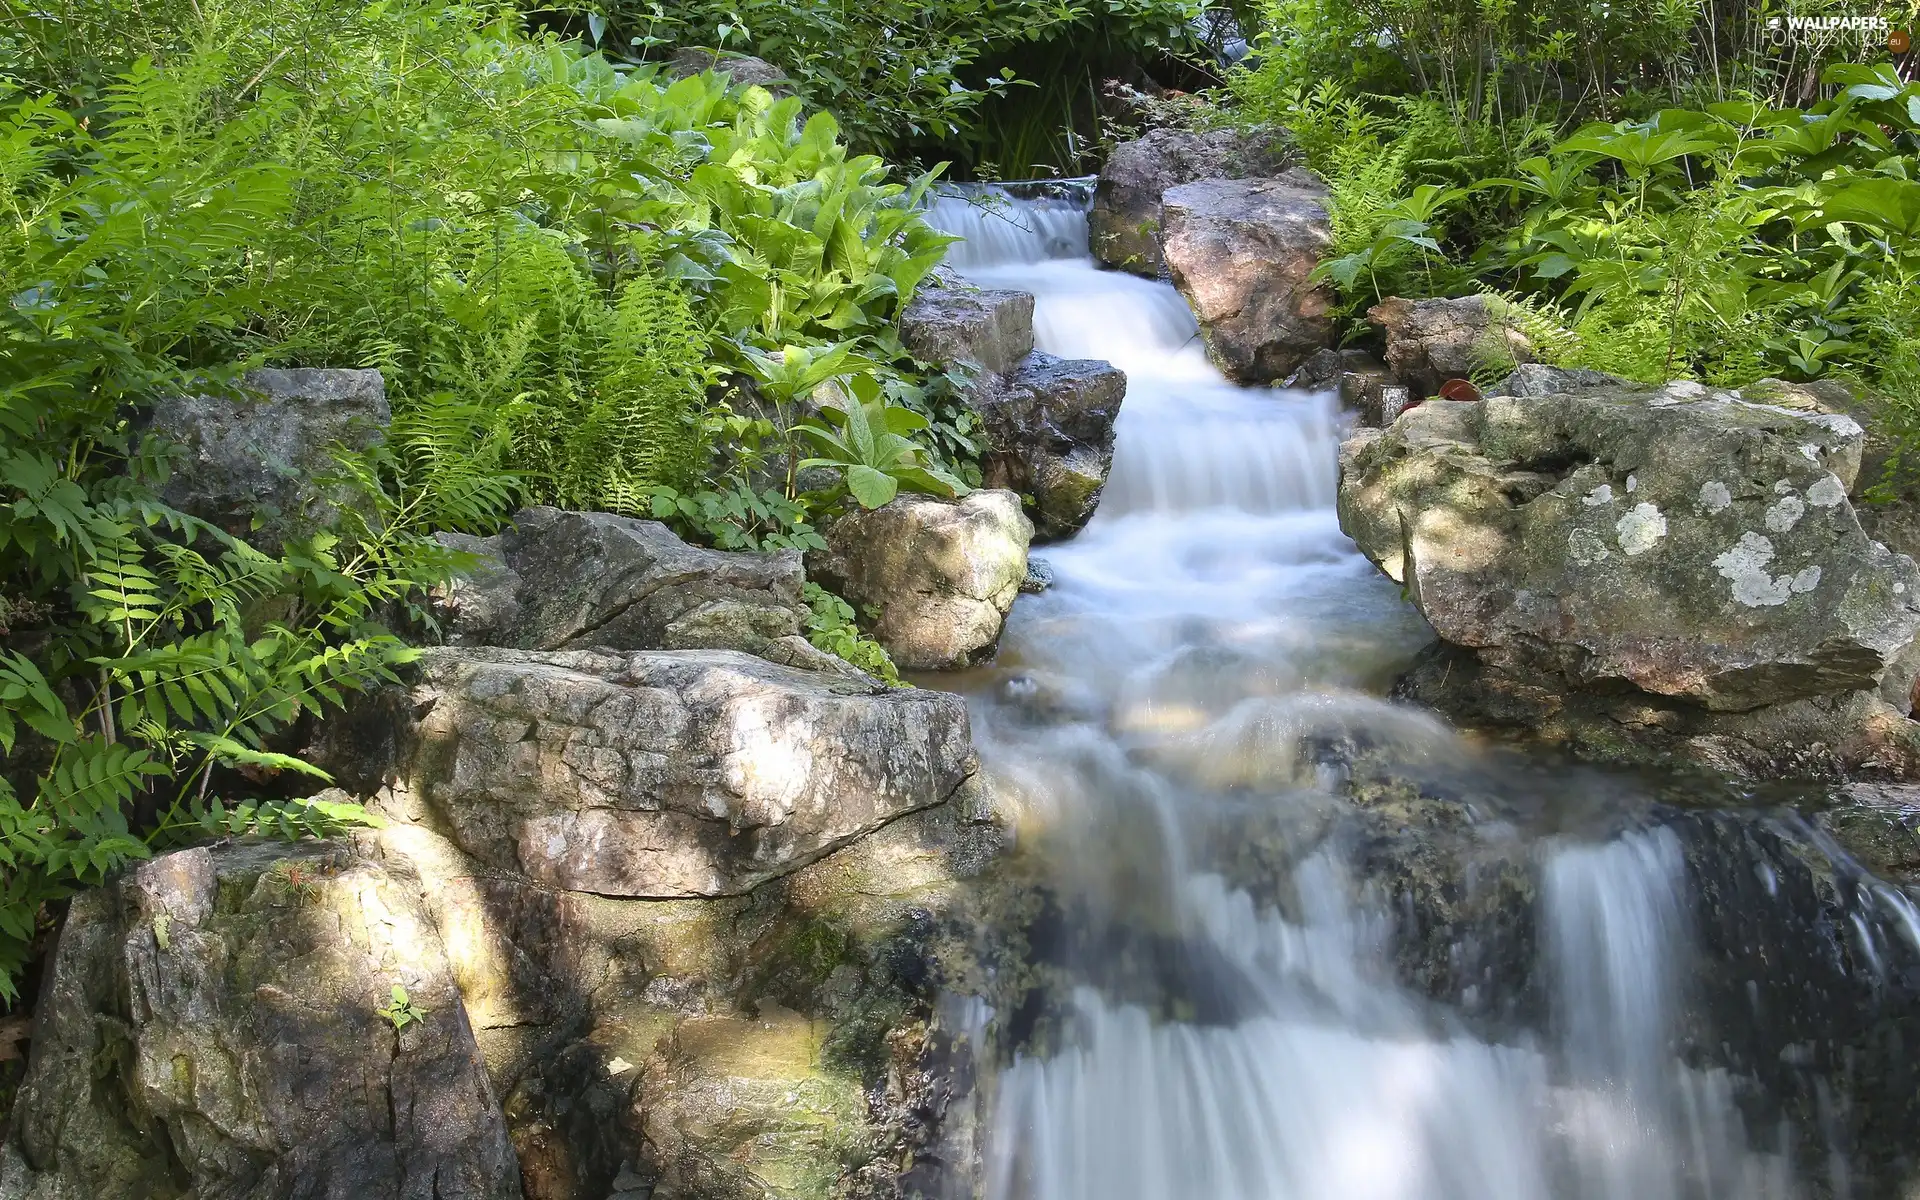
{"x": 253, "y": 460}
{"x": 940, "y": 575}
{"x": 668, "y": 774}
{"x": 960, "y": 323}
{"x": 1125, "y": 220}
{"x": 208, "y": 1027}
{"x": 559, "y": 580}
{"x": 1689, "y": 543}
{"x": 1432, "y": 341}
{"x": 1051, "y": 426}
{"x": 744, "y": 68}
{"x": 1539, "y": 379}
{"x": 1241, "y": 252}
{"x": 1358, "y": 377}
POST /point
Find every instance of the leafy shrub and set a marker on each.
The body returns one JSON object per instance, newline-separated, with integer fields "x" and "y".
{"x": 831, "y": 627}
{"x": 164, "y": 656}
{"x": 558, "y": 264}
{"x": 996, "y": 80}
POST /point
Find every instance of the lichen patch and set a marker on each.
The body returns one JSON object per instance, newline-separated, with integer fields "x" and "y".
{"x": 1783, "y": 514}
{"x": 1640, "y": 529}
{"x": 1827, "y": 493}
{"x": 1744, "y": 565}
{"x": 1598, "y": 496}
{"x": 1714, "y": 496}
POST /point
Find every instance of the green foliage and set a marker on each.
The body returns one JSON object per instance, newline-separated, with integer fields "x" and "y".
{"x": 865, "y": 439}
{"x": 400, "y": 1010}
{"x": 558, "y": 264}
{"x": 831, "y": 627}
{"x": 166, "y": 656}
{"x": 999, "y": 78}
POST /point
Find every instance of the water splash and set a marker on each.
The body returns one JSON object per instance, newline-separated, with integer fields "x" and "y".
{"x": 1206, "y": 633}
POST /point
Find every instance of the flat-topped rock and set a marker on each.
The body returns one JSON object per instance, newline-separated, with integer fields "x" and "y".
{"x": 1125, "y": 221}
{"x": 560, "y": 580}
{"x": 667, "y": 774}
{"x": 951, "y": 321}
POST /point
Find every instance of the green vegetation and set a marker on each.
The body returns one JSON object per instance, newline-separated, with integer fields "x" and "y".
{"x": 583, "y": 282}
{"x": 1655, "y": 190}
{"x": 1009, "y": 88}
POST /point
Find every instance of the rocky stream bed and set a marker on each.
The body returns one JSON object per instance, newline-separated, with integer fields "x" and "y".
{"x": 1500, "y": 798}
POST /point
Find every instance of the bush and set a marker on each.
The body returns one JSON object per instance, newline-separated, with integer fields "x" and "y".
{"x": 568, "y": 272}
{"x": 1007, "y": 85}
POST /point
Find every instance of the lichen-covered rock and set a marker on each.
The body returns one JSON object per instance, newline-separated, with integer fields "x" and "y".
{"x": 559, "y": 580}
{"x": 211, "y": 1027}
{"x": 662, "y": 774}
{"x": 1050, "y": 423}
{"x": 254, "y": 460}
{"x": 1241, "y": 252}
{"x": 950, "y": 321}
{"x": 1432, "y": 341}
{"x": 941, "y": 575}
{"x": 1125, "y": 220}
{"x": 1689, "y": 543}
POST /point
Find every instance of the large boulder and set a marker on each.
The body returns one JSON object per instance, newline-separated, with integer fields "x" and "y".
{"x": 1050, "y": 423}
{"x": 560, "y": 580}
{"x": 939, "y": 575}
{"x": 1432, "y": 341}
{"x": 211, "y": 1026}
{"x": 1241, "y": 252}
{"x": 1125, "y": 220}
{"x": 950, "y": 321}
{"x": 1687, "y": 543}
{"x": 667, "y": 774}
{"x": 259, "y": 460}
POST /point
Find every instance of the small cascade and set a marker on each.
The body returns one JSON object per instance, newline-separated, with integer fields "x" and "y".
{"x": 1178, "y": 718}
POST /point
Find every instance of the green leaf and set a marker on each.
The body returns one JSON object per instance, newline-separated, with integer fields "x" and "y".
{"x": 870, "y": 487}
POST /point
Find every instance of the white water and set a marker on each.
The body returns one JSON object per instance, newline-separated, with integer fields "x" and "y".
{"x": 1206, "y": 628}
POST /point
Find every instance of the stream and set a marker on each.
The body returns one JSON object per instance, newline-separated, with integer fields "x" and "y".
{"x": 1312, "y": 944}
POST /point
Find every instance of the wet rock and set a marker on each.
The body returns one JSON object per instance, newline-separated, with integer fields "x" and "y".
{"x": 1039, "y": 577}
{"x": 694, "y": 773}
{"x": 559, "y": 580}
{"x": 1693, "y": 545}
{"x": 1879, "y": 824}
{"x": 956, "y": 322}
{"x": 210, "y": 1027}
{"x": 940, "y": 575}
{"x": 1051, "y": 426}
{"x": 1357, "y": 376}
{"x": 1125, "y": 220}
{"x": 1432, "y": 341}
{"x": 744, "y": 68}
{"x": 255, "y": 460}
{"x": 1241, "y": 252}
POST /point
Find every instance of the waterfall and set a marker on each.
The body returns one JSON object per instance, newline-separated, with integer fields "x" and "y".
{"x": 1207, "y": 631}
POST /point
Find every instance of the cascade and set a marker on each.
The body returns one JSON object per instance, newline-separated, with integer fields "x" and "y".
{"x": 1186, "y": 698}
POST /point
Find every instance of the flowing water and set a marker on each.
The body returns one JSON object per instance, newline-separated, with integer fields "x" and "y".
{"x": 1240, "y": 1025}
